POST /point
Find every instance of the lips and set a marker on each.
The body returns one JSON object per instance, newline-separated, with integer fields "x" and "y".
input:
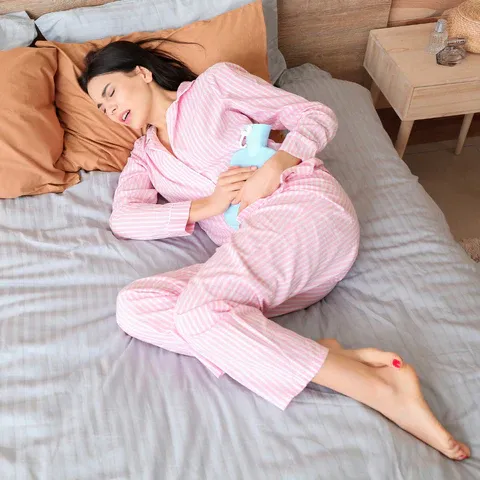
{"x": 124, "y": 117}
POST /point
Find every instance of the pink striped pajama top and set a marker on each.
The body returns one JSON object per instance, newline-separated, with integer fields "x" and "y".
{"x": 290, "y": 251}
{"x": 204, "y": 126}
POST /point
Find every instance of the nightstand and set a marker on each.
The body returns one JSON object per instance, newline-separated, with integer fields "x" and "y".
{"x": 415, "y": 86}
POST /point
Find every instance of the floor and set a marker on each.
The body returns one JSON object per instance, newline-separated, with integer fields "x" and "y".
{"x": 452, "y": 181}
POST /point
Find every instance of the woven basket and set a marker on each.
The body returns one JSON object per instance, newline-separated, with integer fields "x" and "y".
{"x": 464, "y": 21}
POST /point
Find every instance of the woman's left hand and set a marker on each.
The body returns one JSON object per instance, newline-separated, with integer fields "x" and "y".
{"x": 265, "y": 180}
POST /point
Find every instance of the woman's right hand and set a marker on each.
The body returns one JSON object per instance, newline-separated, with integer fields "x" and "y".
{"x": 228, "y": 185}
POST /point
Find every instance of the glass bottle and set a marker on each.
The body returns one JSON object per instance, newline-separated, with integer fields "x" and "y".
{"x": 438, "y": 37}
{"x": 453, "y": 53}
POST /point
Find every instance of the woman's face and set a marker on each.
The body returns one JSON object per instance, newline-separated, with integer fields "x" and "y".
{"x": 126, "y": 98}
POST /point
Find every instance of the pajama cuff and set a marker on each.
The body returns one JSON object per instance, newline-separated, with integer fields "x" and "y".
{"x": 300, "y": 146}
{"x": 306, "y": 373}
{"x": 178, "y": 225}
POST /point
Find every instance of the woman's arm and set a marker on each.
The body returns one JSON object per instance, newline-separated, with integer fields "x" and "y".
{"x": 202, "y": 209}
{"x": 311, "y": 125}
{"x": 137, "y": 215}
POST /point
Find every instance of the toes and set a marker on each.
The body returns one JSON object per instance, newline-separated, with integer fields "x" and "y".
{"x": 465, "y": 451}
{"x": 461, "y": 456}
{"x": 458, "y": 451}
{"x": 370, "y": 356}
{"x": 397, "y": 361}
{"x": 379, "y": 358}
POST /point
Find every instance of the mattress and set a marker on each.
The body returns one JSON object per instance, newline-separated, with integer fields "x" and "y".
{"x": 79, "y": 399}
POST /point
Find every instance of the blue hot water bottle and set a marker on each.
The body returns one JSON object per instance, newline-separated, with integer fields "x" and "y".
{"x": 254, "y": 154}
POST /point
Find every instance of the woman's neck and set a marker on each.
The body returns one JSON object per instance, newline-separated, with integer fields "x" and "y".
{"x": 161, "y": 100}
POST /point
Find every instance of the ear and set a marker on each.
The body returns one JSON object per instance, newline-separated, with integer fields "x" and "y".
{"x": 145, "y": 73}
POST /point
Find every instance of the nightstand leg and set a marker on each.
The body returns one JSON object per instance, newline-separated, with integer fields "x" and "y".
{"x": 467, "y": 121}
{"x": 403, "y": 136}
{"x": 375, "y": 92}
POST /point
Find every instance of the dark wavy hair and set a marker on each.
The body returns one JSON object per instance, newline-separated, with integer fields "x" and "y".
{"x": 124, "y": 56}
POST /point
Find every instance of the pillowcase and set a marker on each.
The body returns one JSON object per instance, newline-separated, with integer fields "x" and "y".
{"x": 16, "y": 30}
{"x": 91, "y": 23}
{"x": 94, "y": 142}
{"x": 31, "y": 138}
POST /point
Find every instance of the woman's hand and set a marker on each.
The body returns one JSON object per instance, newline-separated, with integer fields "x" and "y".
{"x": 228, "y": 185}
{"x": 266, "y": 180}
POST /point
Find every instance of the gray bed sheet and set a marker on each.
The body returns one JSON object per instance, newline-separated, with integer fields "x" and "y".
{"x": 81, "y": 400}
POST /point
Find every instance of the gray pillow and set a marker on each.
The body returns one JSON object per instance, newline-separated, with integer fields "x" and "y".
{"x": 16, "y": 30}
{"x": 127, "y": 16}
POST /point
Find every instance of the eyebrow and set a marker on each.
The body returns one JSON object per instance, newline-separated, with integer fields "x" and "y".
{"x": 103, "y": 94}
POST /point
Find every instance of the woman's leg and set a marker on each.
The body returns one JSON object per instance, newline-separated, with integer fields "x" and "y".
{"x": 214, "y": 312}
{"x": 394, "y": 392}
{"x": 297, "y": 244}
{"x": 268, "y": 263}
{"x": 145, "y": 310}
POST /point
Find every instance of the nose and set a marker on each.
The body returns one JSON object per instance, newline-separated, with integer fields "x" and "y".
{"x": 111, "y": 110}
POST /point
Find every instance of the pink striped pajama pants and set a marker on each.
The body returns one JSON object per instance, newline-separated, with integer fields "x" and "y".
{"x": 291, "y": 250}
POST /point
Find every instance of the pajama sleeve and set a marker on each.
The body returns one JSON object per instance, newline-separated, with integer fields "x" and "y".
{"x": 136, "y": 214}
{"x": 311, "y": 125}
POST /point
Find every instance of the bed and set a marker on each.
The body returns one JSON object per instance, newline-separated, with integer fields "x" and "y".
{"x": 82, "y": 400}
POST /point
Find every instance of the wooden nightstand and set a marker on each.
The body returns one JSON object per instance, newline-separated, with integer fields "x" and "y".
{"x": 413, "y": 83}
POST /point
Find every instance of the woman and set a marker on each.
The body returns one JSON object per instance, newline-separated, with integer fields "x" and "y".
{"x": 298, "y": 236}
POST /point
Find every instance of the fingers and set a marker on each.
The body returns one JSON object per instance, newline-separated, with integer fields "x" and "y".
{"x": 238, "y": 197}
{"x": 240, "y": 178}
{"x": 245, "y": 169}
{"x": 246, "y": 172}
{"x": 233, "y": 187}
{"x": 235, "y": 172}
{"x": 243, "y": 205}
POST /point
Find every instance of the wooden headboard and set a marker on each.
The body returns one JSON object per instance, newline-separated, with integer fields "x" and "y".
{"x": 329, "y": 33}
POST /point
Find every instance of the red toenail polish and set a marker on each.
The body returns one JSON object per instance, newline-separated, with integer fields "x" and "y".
{"x": 396, "y": 363}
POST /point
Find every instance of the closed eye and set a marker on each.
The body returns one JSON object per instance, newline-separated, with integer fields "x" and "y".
{"x": 104, "y": 93}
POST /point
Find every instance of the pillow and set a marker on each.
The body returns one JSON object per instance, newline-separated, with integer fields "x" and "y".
{"x": 92, "y": 141}
{"x": 91, "y": 23}
{"x": 16, "y": 30}
{"x": 31, "y": 138}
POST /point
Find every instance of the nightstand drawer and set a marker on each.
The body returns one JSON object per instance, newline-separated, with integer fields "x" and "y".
{"x": 444, "y": 100}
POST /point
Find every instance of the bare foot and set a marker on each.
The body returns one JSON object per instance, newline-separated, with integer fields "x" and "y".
{"x": 368, "y": 356}
{"x": 402, "y": 400}
{"x": 408, "y": 409}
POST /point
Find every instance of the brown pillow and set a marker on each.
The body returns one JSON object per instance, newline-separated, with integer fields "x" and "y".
{"x": 92, "y": 141}
{"x": 31, "y": 138}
